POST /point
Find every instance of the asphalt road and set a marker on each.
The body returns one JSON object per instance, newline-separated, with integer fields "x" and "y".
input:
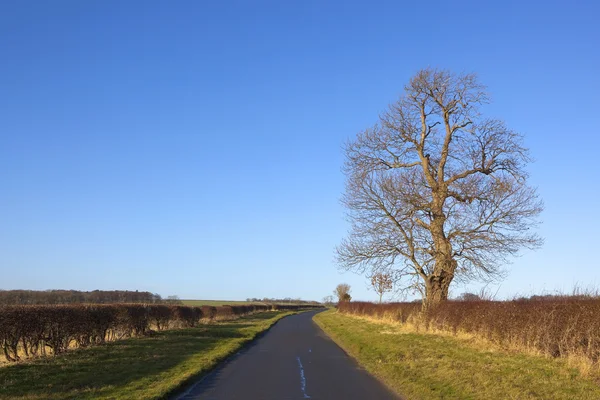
{"x": 293, "y": 360}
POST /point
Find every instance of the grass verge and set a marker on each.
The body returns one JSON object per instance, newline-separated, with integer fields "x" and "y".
{"x": 140, "y": 368}
{"x": 429, "y": 366}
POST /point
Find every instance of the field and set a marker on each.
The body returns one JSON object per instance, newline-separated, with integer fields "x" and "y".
{"x": 140, "y": 368}
{"x": 217, "y": 303}
{"x": 432, "y": 366}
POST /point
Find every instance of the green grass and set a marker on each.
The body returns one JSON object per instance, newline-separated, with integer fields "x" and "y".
{"x": 139, "y": 368}
{"x": 216, "y": 303}
{"x": 429, "y": 366}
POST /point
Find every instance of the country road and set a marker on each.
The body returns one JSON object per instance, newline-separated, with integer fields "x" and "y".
{"x": 293, "y": 360}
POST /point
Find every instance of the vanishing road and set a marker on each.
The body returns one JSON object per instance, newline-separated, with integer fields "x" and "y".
{"x": 293, "y": 360}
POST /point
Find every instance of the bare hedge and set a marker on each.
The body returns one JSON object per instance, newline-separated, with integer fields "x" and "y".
{"x": 559, "y": 328}
{"x": 34, "y": 330}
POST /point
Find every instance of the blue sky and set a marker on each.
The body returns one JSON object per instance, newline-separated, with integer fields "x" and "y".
{"x": 194, "y": 148}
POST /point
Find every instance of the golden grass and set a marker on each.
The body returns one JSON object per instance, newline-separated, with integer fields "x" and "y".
{"x": 585, "y": 366}
{"x": 425, "y": 365}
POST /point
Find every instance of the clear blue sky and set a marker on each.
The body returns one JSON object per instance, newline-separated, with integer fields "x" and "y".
{"x": 194, "y": 147}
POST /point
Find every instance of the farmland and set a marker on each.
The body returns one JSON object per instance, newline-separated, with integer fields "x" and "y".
{"x": 331, "y": 200}
{"x": 217, "y": 303}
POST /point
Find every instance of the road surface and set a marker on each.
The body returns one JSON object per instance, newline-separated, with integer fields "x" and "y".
{"x": 293, "y": 360}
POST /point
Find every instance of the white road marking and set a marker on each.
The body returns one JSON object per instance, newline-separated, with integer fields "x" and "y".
{"x": 302, "y": 379}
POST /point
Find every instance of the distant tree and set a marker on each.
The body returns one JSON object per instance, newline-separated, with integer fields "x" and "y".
{"x": 382, "y": 283}
{"x": 469, "y": 297}
{"x": 174, "y": 299}
{"x": 76, "y": 297}
{"x": 328, "y": 300}
{"x": 342, "y": 292}
{"x": 435, "y": 191}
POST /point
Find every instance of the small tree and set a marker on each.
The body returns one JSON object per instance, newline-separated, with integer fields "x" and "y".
{"x": 342, "y": 292}
{"x": 382, "y": 283}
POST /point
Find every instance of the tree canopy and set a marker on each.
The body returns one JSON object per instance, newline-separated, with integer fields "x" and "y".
{"x": 435, "y": 191}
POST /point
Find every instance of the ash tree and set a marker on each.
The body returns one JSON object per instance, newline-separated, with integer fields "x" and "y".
{"x": 382, "y": 283}
{"x": 436, "y": 192}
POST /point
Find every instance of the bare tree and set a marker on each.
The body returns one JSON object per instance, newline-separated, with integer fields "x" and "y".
{"x": 328, "y": 300}
{"x": 467, "y": 296}
{"x": 342, "y": 292}
{"x": 382, "y": 283}
{"x": 437, "y": 192}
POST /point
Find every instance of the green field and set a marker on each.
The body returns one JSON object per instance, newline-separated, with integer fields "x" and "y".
{"x": 140, "y": 368}
{"x": 428, "y": 366}
{"x": 216, "y": 303}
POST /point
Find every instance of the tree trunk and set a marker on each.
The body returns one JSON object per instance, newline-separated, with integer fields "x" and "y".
{"x": 380, "y": 296}
{"x": 436, "y": 289}
{"x": 438, "y": 283}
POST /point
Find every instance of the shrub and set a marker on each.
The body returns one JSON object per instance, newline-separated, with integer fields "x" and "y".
{"x": 160, "y": 316}
{"x": 224, "y": 312}
{"x": 188, "y": 316}
{"x": 209, "y": 312}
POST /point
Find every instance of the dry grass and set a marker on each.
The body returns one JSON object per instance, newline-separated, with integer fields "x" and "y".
{"x": 428, "y": 366}
{"x": 585, "y": 366}
{"x": 564, "y": 327}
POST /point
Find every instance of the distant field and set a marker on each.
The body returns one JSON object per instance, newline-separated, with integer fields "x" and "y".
{"x": 216, "y": 303}
{"x": 198, "y": 303}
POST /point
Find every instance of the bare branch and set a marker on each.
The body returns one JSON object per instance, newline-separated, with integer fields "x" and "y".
{"x": 462, "y": 214}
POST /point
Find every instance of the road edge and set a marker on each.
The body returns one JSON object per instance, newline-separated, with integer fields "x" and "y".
{"x": 338, "y": 342}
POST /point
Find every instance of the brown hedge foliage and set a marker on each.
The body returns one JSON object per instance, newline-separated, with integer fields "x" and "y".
{"x": 225, "y": 312}
{"x": 209, "y": 312}
{"x": 160, "y": 316}
{"x": 559, "y": 327}
{"x": 187, "y": 316}
{"x": 34, "y": 330}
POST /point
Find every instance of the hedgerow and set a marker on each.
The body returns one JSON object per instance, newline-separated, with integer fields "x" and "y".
{"x": 560, "y": 327}
{"x": 37, "y": 330}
